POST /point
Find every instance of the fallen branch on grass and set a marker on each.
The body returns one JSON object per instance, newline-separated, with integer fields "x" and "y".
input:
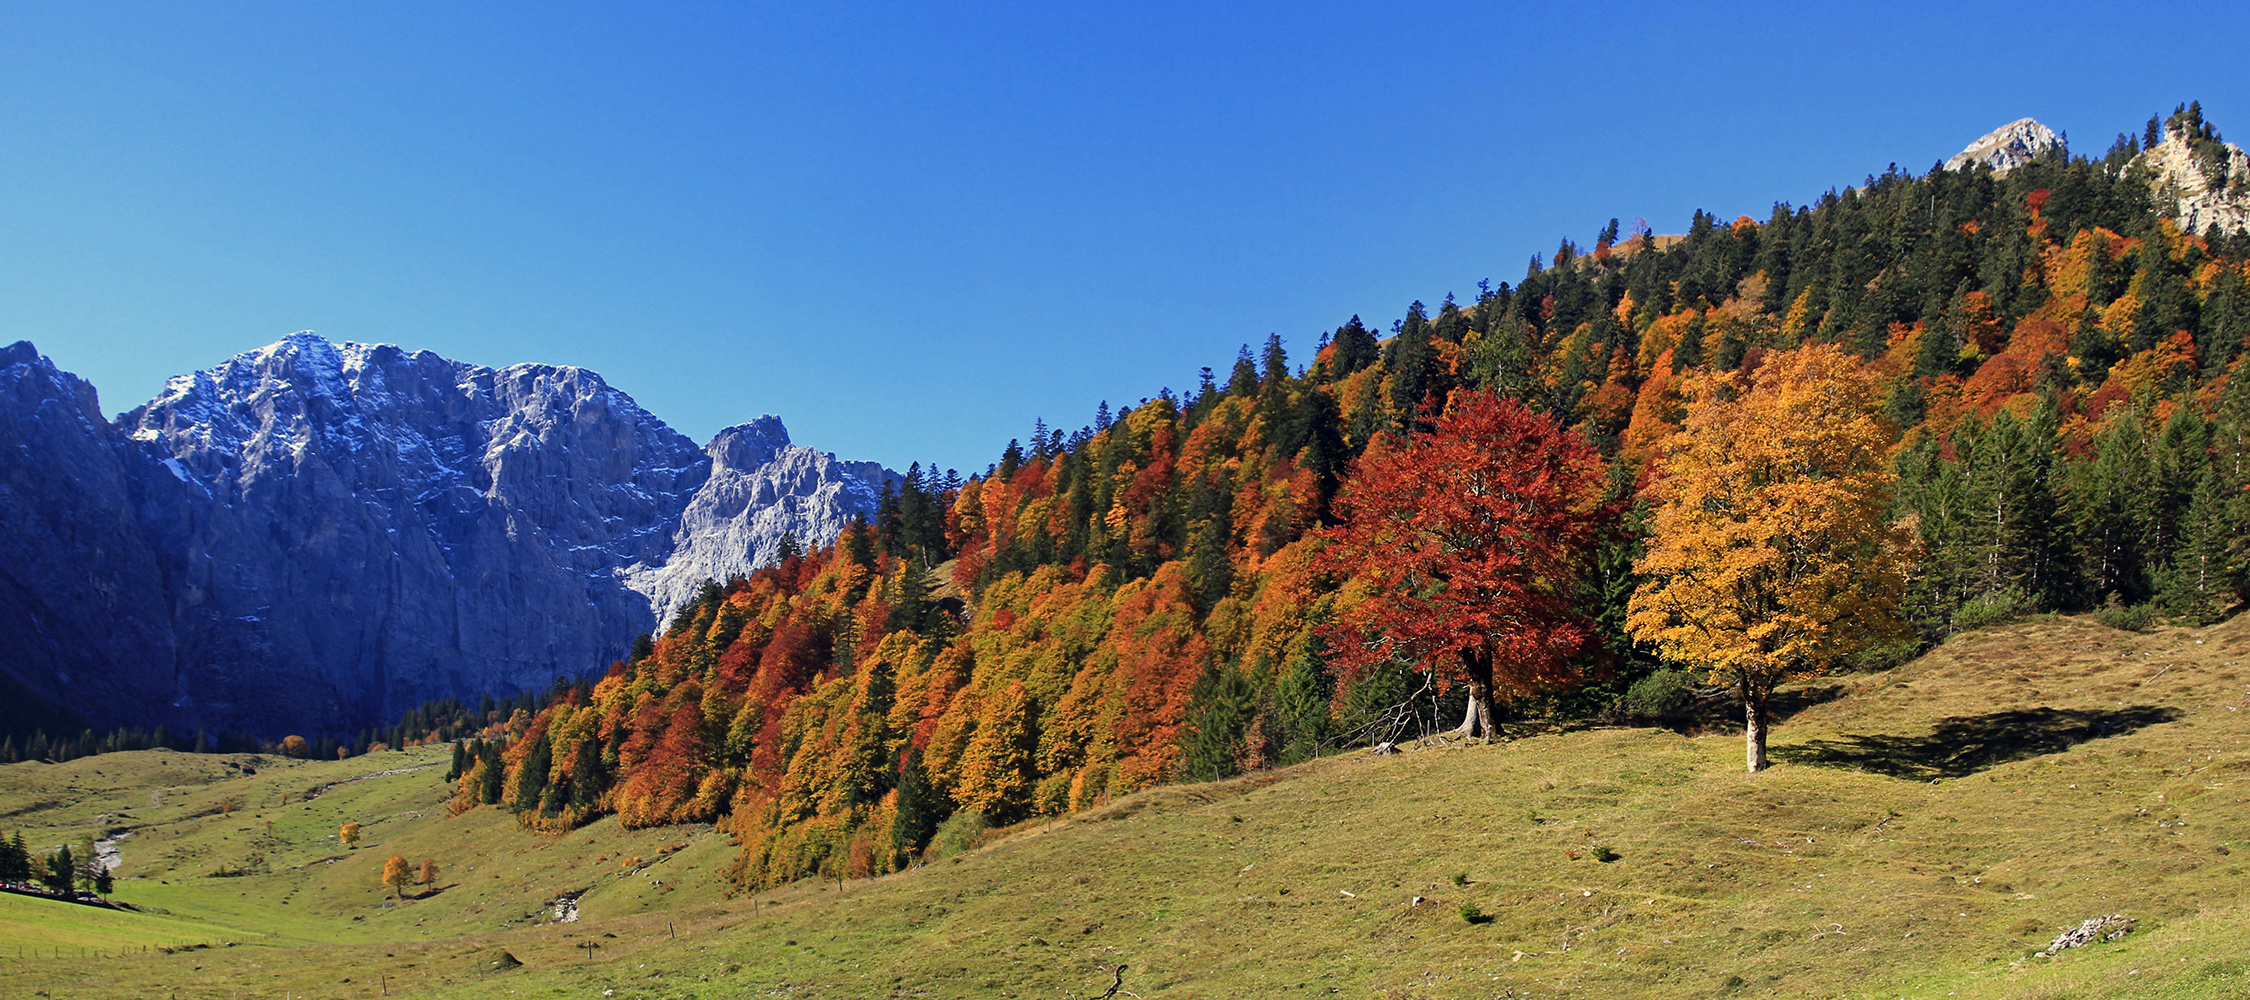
{"x": 1115, "y": 985}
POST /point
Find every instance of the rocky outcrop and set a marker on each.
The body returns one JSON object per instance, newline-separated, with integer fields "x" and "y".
{"x": 2007, "y": 147}
{"x": 311, "y": 537}
{"x": 2205, "y": 181}
{"x": 762, "y": 490}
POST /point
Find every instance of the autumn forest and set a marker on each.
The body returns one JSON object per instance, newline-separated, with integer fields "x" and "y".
{"x": 1653, "y": 470}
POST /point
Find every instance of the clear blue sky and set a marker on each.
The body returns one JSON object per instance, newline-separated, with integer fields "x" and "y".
{"x": 910, "y": 230}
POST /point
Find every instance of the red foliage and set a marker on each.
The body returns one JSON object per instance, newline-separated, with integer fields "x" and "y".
{"x": 661, "y": 788}
{"x": 1470, "y": 540}
{"x": 1998, "y": 380}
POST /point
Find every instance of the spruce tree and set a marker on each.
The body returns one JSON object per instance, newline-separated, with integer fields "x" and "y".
{"x": 1356, "y": 348}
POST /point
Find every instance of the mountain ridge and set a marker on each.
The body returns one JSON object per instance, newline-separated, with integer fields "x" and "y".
{"x": 319, "y": 535}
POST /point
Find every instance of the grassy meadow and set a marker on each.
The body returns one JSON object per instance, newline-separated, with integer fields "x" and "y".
{"x": 1926, "y": 830}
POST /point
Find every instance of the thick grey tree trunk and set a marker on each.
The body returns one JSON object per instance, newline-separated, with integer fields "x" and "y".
{"x": 1754, "y": 725}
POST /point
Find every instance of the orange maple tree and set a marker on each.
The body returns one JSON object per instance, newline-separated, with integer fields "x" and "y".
{"x": 1771, "y": 552}
{"x": 396, "y": 874}
{"x": 1465, "y": 546}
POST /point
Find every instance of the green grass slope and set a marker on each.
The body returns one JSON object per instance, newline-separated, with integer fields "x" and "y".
{"x": 1927, "y": 830}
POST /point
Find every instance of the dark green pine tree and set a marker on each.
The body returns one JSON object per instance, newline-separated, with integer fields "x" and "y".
{"x": 1356, "y": 348}
{"x": 1243, "y": 382}
{"x": 529, "y": 784}
{"x": 2176, "y": 463}
{"x": 488, "y": 754}
{"x": 1368, "y": 415}
{"x": 1939, "y": 353}
{"x": 589, "y": 775}
{"x": 1411, "y": 359}
{"x": 2168, "y": 303}
{"x": 1210, "y": 566}
{"x": 2009, "y": 501}
{"x": 2197, "y": 582}
{"x": 2110, "y": 510}
{"x": 15, "y": 860}
{"x": 2226, "y": 321}
{"x": 62, "y": 871}
{"x": 1221, "y": 706}
{"x": 1302, "y": 697}
{"x": 1935, "y": 491}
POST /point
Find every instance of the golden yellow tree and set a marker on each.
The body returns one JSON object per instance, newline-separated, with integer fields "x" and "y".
{"x": 349, "y": 835}
{"x": 429, "y": 872}
{"x": 396, "y": 873}
{"x": 1771, "y": 555}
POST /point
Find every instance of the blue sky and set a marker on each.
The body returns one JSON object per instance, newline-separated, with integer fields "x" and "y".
{"x": 912, "y": 229}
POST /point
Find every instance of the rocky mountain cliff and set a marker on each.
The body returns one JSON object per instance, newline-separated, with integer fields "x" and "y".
{"x": 2007, "y": 147}
{"x": 762, "y": 489}
{"x": 312, "y": 536}
{"x": 2206, "y": 180}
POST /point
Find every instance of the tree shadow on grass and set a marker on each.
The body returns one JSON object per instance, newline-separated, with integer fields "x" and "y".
{"x": 1963, "y": 745}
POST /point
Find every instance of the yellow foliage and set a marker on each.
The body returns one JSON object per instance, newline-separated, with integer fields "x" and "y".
{"x": 397, "y": 873}
{"x": 1799, "y": 320}
{"x": 1770, "y": 555}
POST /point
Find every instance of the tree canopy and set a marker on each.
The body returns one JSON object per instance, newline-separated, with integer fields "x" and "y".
{"x": 1772, "y": 553}
{"x": 1465, "y": 547}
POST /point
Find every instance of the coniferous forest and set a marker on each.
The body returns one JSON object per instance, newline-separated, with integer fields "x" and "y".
{"x": 1651, "y": 466}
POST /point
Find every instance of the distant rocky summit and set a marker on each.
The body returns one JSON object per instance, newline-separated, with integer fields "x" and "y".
{"x": 2205, "y": 180}
{"x": 2007, "y": 147}
{"x": 762, "y": 490}
{"x": 312, "y": 537}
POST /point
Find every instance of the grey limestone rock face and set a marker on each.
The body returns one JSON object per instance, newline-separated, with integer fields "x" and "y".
{"x": 372, "y": 526}
{"x": 2207, "y": 183}
{"x": 762, "y": 489}
{"x": 2007, "y": 147}
{"x": 312, "y": 537}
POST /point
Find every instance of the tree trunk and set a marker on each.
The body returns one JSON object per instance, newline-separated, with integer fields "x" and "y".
{"x": 1478, "y": 719}
{"x": 1754, "y": 724}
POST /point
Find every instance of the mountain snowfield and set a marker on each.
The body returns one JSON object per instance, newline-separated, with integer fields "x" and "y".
{"x": 313, "y": 536}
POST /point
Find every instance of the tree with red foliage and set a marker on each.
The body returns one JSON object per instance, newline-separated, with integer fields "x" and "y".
{"x": 1466, "y": 545}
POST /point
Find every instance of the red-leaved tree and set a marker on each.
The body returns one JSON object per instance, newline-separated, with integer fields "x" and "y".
{"x": 1465, "y": 547}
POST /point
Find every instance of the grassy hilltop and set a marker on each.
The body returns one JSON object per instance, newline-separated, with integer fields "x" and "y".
{"x": 1928, "y": 829}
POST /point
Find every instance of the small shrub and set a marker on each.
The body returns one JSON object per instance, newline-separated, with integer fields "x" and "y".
{"x": 1998, "y": 607}
{"x": 1886, "y": 655}
{"x": 1665, "y": 692}
{"x": 2137, "y": 618}
{"x": 1461, "y": 878}
{"x": 1603, "y": 854}
{"x": 960, "y": 832}
{"x": 1470, "y": 913}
